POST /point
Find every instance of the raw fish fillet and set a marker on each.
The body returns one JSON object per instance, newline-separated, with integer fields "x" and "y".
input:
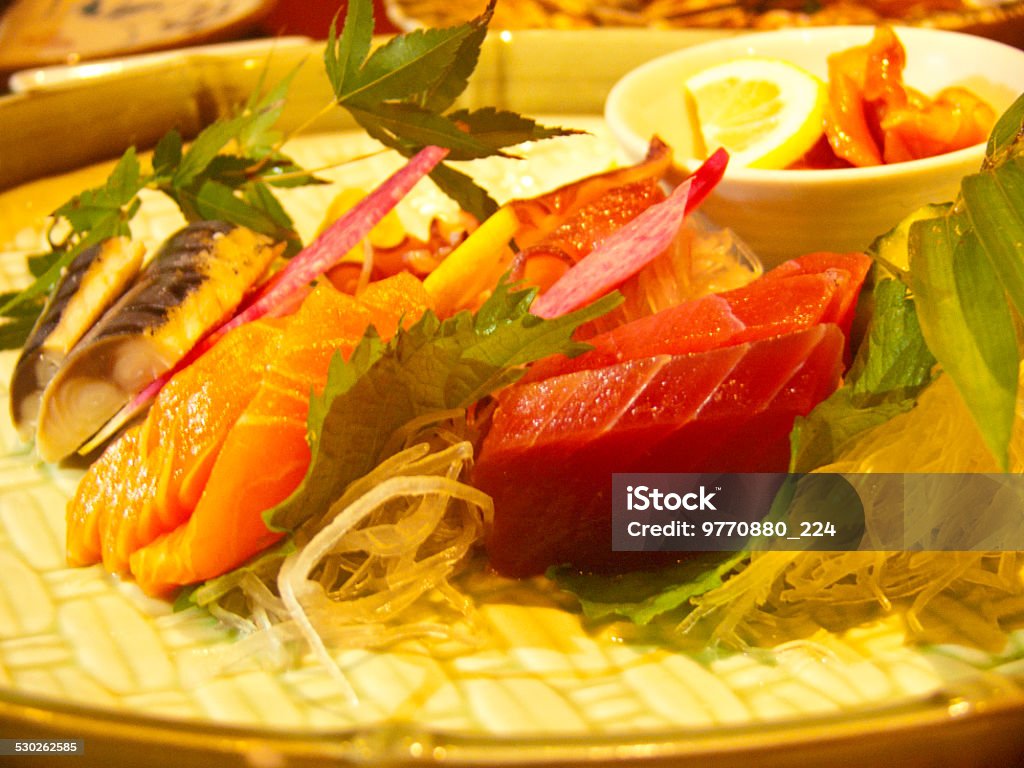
{"x": 148, "y": 481}
{"x": 554, "y": 444}
{"x": 821, "y": 288}
{"x": 255, "y": 458}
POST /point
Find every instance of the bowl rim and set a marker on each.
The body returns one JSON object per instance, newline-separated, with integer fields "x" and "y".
{"x": 635, "y": 144}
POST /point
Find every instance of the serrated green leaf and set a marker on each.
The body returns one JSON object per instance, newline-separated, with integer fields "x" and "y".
{"x": 434, "y": 366}
{"x": 257, "y": 136}
{"x": 442, "y": 94}
{"x": 214, "y": 200}
{"x": 167, "y": 154}
{"x": 38, "y": 263}
{"x": 407, "y": 125}
{"x": 281, "y": 171}
{"x": 14, "y": 331}
{"x": 99, "y": 204}
{"x": 262, "y": 199}
{"x": 893, "y": 366}
{"x": 967, "y": 322}
{"x": 207, "y": 145}
{"x": 229, "y": 170}
{"x": 344, "y": 55}
{"x": 405, "y": 68}
{"x": 497, "y": 128}
{"x": 44, "y": 282}
{"x": 96, "y": 215}
{"x": 893, "y": 362}
{"x": 17, "y": 311}
{"x": 642, "y": 596}
{"x": 461, "y": 188}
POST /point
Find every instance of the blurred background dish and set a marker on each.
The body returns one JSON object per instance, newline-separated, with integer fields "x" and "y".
{"x": 990, "y": 18}
{"x": 312, "y": 18}
{"x": 39, "y": 32}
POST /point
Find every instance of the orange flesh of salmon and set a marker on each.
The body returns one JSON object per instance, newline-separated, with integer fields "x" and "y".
{"x": 168, "y": 456}
{"x": 210, "y": 520}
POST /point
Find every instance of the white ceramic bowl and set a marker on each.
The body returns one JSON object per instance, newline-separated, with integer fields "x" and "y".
{"x": 785, "y": 213}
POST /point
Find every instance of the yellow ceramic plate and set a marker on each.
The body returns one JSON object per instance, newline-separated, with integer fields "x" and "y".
{"x": 84, "y": 656}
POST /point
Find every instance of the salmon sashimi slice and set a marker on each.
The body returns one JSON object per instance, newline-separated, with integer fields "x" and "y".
{"x": 210, "y": 520}
{"x": 554, "y": 445}
{"x": 88, "y": 513}
{"x": 956, "y": 119}
{"x": 266, "y": 454}
{"x": 162, "y": 464}
{"x": 820, "y": 288}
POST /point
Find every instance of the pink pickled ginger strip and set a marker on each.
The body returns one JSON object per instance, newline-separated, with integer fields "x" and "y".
{"x": 631, "y": 248}
{"x": 339, "y": 238}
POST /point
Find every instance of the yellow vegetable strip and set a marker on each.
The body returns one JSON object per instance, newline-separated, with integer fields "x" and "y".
{"x": 474, "y": 266}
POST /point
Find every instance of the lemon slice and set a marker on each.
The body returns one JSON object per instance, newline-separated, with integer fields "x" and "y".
{"x": 765, "y": 112}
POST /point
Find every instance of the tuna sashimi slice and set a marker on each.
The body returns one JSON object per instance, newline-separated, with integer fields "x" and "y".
{"x": 821, "y": 288}
{"x": 554, "y": 444}
{"x": 848, "y": 270}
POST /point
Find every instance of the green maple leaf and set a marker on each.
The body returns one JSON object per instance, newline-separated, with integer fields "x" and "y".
{"x": 400, "y": 95}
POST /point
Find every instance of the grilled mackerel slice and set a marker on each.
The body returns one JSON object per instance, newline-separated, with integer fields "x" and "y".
{"x": 195, "y": 281}
{"x": 91, "y": 283}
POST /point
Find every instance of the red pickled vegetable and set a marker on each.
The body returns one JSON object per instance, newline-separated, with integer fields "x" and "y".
{"x": 873, "y": 117}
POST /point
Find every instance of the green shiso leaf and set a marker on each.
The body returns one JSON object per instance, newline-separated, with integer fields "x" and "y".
{"x": 642, "y": 596}
{"x": 433, "y": 366}
{"x": 893, "y": 366}
{"x": 967, "y": 322}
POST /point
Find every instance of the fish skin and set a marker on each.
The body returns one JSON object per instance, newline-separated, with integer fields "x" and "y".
{"x": 198, "y": 277}
{"x": 87, "y": 287}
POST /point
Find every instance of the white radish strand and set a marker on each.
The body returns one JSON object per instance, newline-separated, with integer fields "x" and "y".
{"x": 293, "y": 578}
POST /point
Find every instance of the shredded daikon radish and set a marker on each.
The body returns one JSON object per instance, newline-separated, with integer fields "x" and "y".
{"x": 375, "y": 568}
{"x": 782, "y": 596}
